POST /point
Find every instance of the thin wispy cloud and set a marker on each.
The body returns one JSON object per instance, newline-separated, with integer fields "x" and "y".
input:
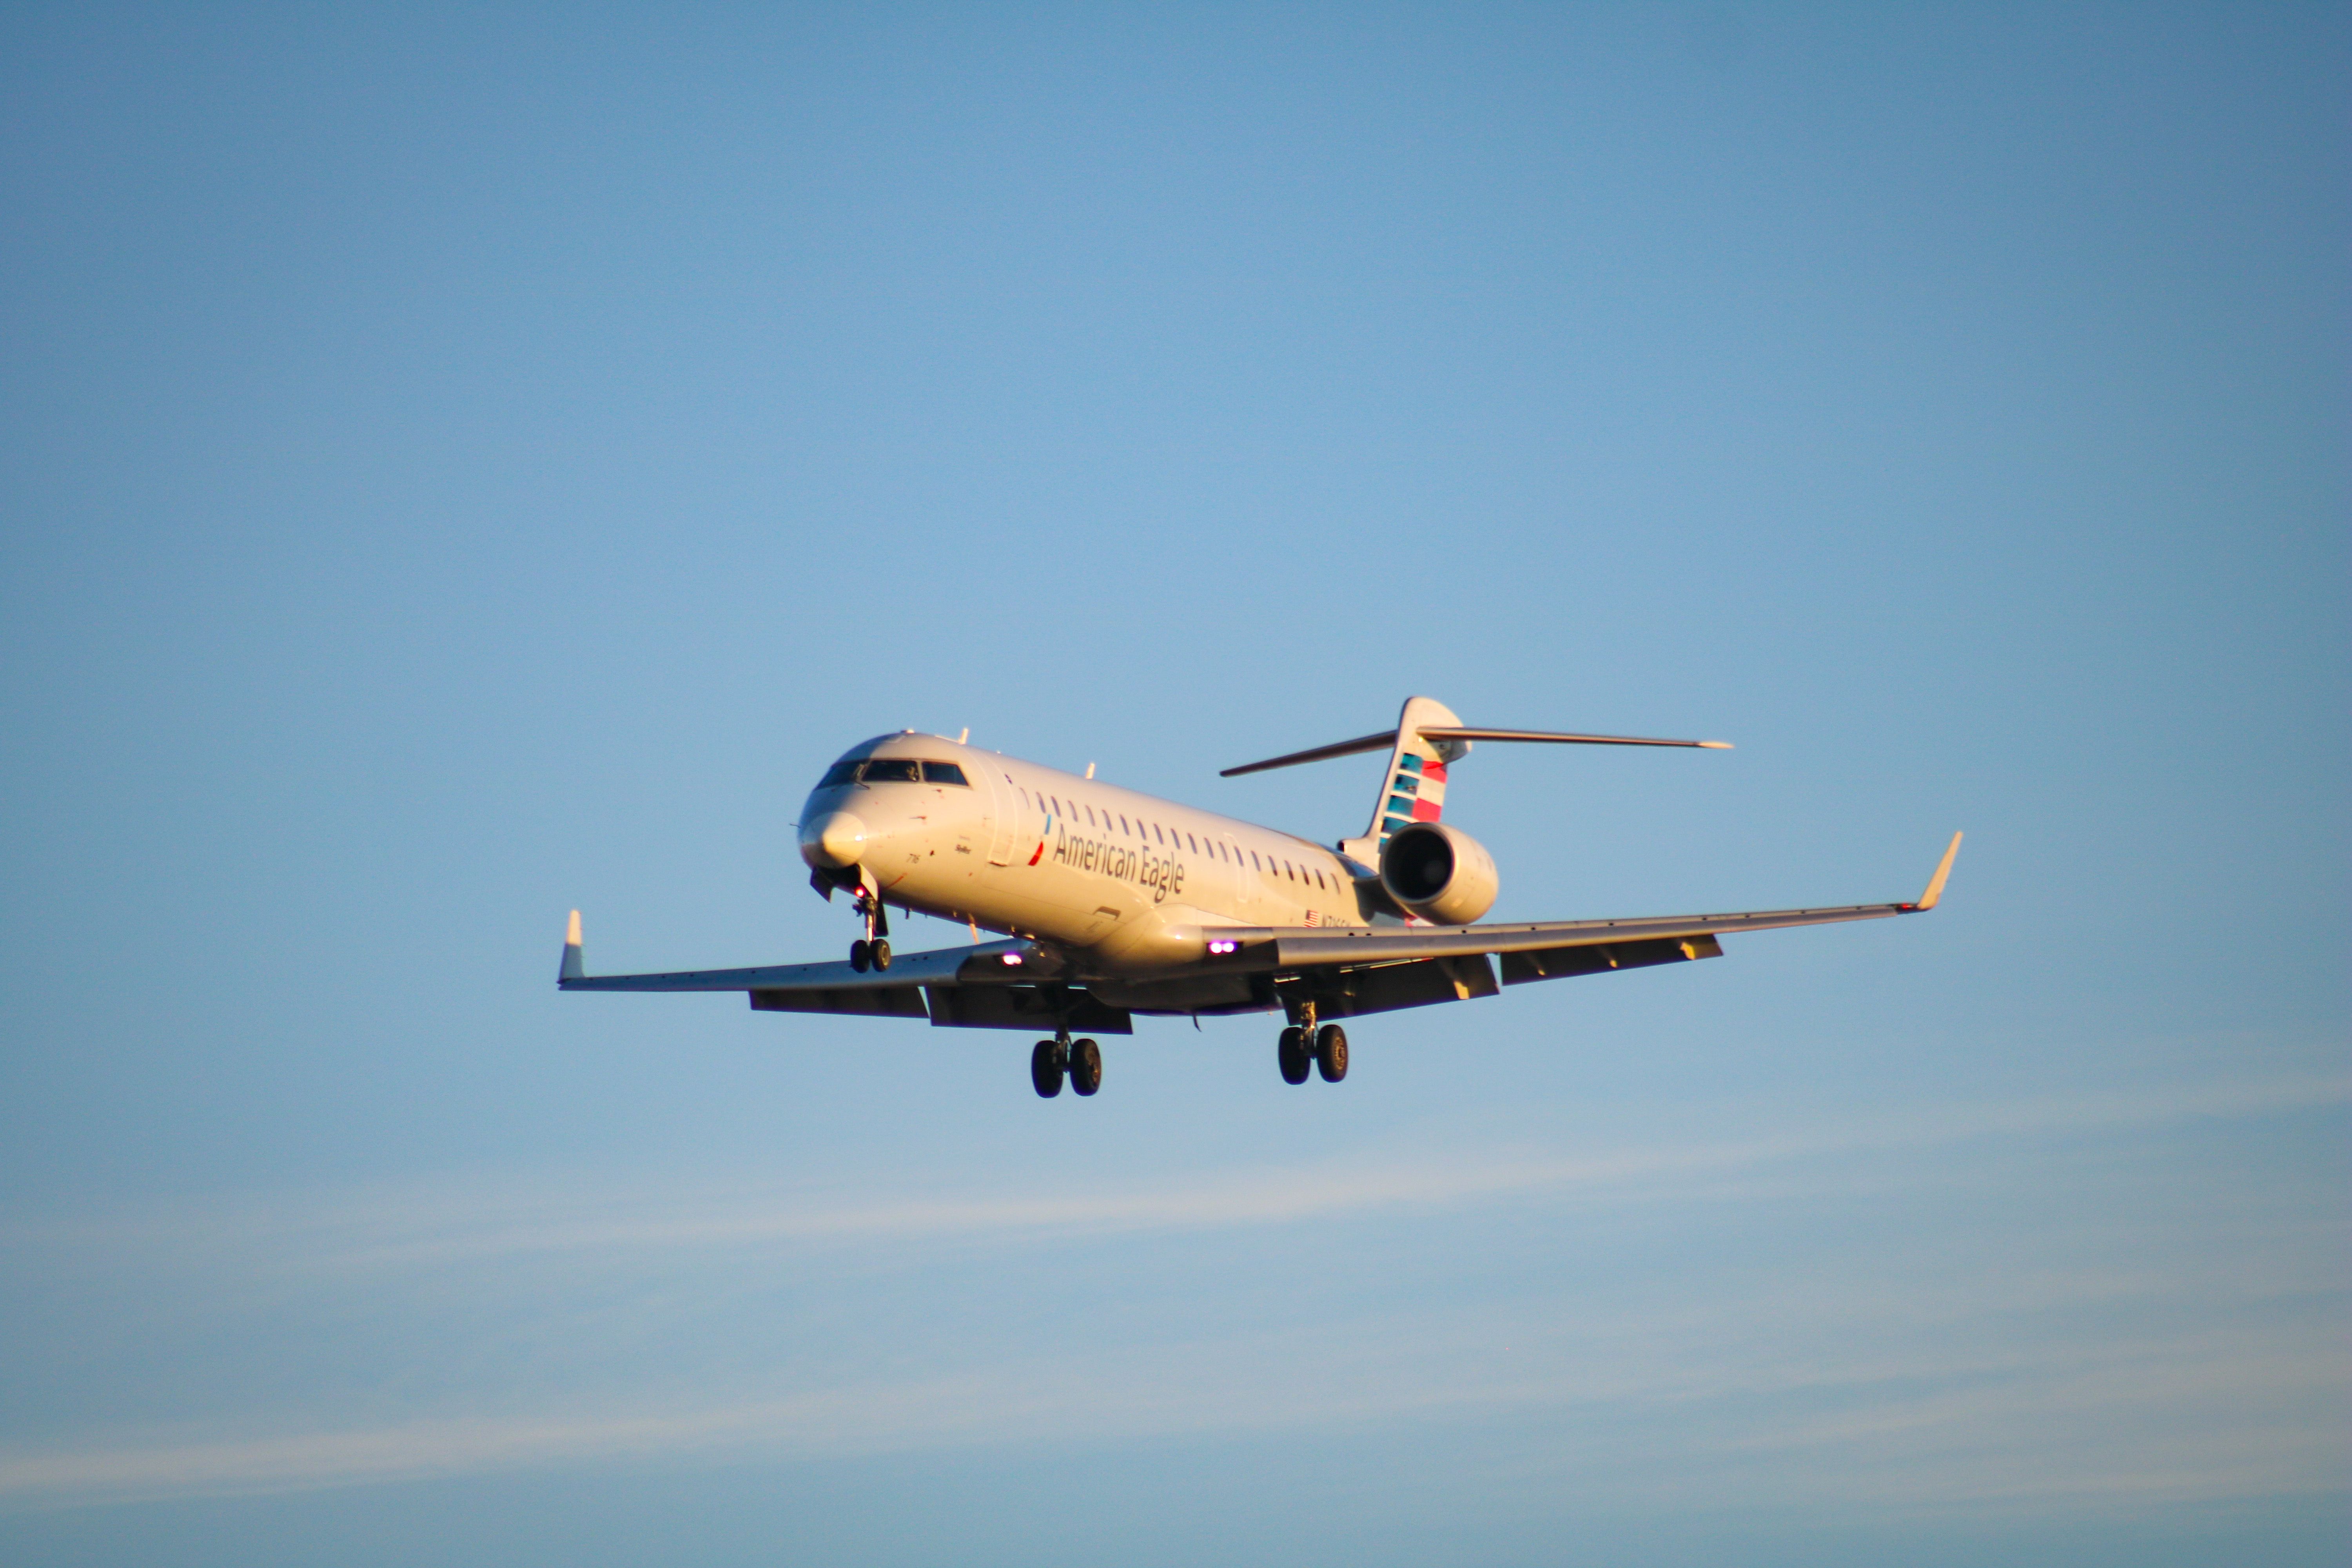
{"x": 1940, "y": 1375}
{"x": 486, "y": 1217}
{"x": 2025, "y": 1427}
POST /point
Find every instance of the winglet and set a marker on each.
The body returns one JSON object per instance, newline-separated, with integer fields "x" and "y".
{"x": 576, "y": 968}
{"x": 1936, "y": 883}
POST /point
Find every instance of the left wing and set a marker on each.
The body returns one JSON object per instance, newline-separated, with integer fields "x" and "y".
{"x": 1542, "y": 949}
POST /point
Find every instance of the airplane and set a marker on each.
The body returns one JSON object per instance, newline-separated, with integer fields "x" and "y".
{"x": 1108, "y": 902}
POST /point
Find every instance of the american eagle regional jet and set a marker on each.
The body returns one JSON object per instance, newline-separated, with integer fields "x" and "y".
{"x": 1113, "y": 903}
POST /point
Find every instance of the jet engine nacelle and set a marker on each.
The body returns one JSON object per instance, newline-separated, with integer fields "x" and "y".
{"x": 1439, "y": 873}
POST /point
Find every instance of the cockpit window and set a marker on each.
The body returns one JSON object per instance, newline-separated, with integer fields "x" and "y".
{"x": 840, "y": 773}
{"x": 890, "y": 770}
{"x": 944, "y": 773}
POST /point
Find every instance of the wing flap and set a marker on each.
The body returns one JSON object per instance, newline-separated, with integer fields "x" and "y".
{"x": 872, "y": 1002}
{"x": 1599, "y": 958}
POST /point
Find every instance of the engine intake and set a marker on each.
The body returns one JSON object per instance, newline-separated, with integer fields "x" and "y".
{"x": 1439, "y": 873}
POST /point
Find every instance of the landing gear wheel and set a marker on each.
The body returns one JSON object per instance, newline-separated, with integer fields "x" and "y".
{"x": 1085, "y": 1066}
{"x": 861, "y": 955}
{"x": 878, "y": 953}
{"x": 1291, "y": 1051}
{"x": 1331, "y": 1052}
{"x": 1046, "y": 1069}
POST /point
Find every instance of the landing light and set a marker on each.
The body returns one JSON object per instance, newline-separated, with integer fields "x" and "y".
{"x": 1013, "y": 960}
{"x": 1223, "y": 946}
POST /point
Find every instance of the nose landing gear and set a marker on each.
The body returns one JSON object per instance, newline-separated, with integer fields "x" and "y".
{"x": 1049, "y": 1060}
{"x": 871, "y": 950}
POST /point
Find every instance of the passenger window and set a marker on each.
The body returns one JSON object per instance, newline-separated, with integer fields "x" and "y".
{"x": 1090, "y": 818}
{"x": 1122, "y": 825}
{"x": 944, "y": 773}
{"x": 1193, "y": 842}
{"x": 1253, "y": 865}
{"x": 894, "y": 771}
{"x": 838, "y": 774}
{"x": 1157, "y": 834}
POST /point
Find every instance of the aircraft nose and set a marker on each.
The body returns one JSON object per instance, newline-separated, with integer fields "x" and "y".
{"x": 836, "y": 839}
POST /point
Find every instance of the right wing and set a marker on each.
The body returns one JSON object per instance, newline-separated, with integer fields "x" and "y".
{"x": 1009, "y": 984}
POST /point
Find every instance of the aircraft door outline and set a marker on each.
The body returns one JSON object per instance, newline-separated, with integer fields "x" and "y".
{"x": 1003, "y": 817}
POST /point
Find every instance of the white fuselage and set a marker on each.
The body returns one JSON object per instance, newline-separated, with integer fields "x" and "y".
{"x": 1141, "y": 883}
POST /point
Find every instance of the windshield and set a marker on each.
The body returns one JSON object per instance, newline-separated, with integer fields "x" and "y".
{"x": 891, "y": 770}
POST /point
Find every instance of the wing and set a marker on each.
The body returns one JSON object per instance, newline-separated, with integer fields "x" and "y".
{"x": 1016, "y": 985}
{"x": 1391, "y": 966}
{"x": 992, "y": 985}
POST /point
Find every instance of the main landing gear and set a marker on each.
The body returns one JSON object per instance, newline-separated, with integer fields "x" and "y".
{"x": 1303, "y": 1048}
{"x": 871, "y": 950}
{"x": 1081, "y": 1059}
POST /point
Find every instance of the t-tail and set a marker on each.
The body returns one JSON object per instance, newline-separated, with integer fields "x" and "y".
{"x": 1428, "y": 740}
{"x": 1413, "y": 788}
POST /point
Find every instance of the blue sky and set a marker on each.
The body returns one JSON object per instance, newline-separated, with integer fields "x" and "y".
{"x": 459, "y": 466}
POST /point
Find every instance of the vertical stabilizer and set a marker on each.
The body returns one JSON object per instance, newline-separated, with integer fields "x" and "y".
{"x": 1414, "y": 787}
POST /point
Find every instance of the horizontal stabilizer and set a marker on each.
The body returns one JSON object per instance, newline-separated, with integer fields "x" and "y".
{"x": 1387, "y": 737}
{"x": 1380, "y": 742}
{"x": 1559, "y": 738}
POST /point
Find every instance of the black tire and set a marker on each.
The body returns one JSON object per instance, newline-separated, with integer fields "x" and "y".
{"x": 861, "y": 955}
{"x": 1331, "y": 1052}
{"x": 877, "y": 953}
{"x": 1046, "y": 1068}
{"x": 1290, "y": 1052}
{"x": 1086, "y": 1066}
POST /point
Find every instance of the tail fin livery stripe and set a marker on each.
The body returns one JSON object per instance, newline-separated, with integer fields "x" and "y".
{"x": 1414, "y": 787}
